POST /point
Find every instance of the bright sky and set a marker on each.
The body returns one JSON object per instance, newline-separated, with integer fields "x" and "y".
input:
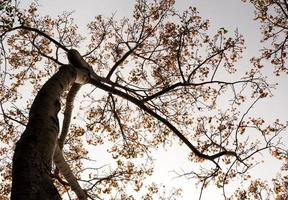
{"x": 230, "y": 14}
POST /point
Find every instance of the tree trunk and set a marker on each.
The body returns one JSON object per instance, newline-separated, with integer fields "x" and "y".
{"x": 32, "y": 161}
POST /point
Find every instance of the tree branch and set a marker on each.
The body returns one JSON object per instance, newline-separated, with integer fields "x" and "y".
{"x": 179, "y": 84}
{"x": 67, "y": 113}
{"x": 141, "y": 105}
{"x": 120, "y": 61}
{"x": 202, "y": 63}
{"x": 67, "y": 173}
{"x": 38, "y": 32}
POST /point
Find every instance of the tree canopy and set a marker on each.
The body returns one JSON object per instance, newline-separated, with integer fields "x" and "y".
{"x": 159, "y": 78}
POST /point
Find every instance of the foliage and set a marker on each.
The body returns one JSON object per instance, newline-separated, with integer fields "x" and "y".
{"x": 161, "y": 79}
{"x": 273, "y": 15}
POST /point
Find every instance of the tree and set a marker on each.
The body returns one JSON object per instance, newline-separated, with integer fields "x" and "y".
{"x": 273, "y": 15}
{"x": 32, "y": 160}
{"x": 149, "y": 81}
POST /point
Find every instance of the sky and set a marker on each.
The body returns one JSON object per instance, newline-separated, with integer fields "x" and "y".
{"x": 230, "y": 14}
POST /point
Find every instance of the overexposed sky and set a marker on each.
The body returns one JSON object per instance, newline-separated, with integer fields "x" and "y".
{"x": 230, "y": 14}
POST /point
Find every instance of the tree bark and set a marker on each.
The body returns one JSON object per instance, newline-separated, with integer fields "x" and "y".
{"x": 68, "y": 113}
{"x": 32, "y": 160}
{"x": 68, "y": 174}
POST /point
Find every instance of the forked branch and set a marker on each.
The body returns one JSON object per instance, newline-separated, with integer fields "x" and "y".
{"x": 76, "y": 59}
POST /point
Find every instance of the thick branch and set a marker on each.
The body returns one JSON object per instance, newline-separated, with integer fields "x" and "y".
{"x": 141, "y": 105}
{"x": 68, "y": 112}
{"x": 76, "y": 59}
{"x": 65, "y": 170}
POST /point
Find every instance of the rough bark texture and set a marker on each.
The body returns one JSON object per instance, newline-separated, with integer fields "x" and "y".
{"x": 34, "y": 151}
